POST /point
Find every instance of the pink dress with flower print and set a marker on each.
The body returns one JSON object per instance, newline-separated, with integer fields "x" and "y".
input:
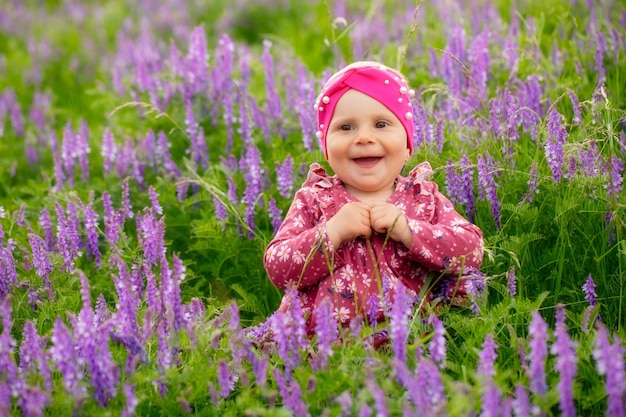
{"x": 358, "y": 272}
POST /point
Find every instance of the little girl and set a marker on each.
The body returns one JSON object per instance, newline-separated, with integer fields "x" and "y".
{"x": 357, "y": 235}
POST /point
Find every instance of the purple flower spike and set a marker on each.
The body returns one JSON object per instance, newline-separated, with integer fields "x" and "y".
{"x": 7, "y": 365}
{"x": 566, "y": 363}
{"x": 488, "y": 357}
{"x": 326, "y": 331}
{"x": 284, "y": 174}
{"x": 399, "y": 322}
{"x": 609, "y": 359}
{"x": 538, "y": 335}
{"x": 554, "y": 144}
{"x": 437, "y": 346}
{"x": 41, "y": 260}
{"x": 63, "y": 355}
{"x": 511, "y": 283}
{"x": 487, "y": 184}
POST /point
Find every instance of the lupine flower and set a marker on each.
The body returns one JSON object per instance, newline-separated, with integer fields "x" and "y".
{"x": 437, "y": 346}
{"x": 113, "y": 220}
{"x": 91, "y": 232}
{"x": 93, "y": 349}
{"x": 480, "y": 61}
{"x": 63, "y": 355}
{"x": 151, "y": 236}
{"x": 46, "y": 225}
{"x": 488, "y": 186}
{"x": 274, "y": 107}
{"x": 565, "y": 351}
{"x": 33, "y": 400}
{"x": 163, "y": 156}
{"x": 225, "y": 378}
{"x": 8, "y": 272}
{"x": 276, "y": 214}
{"x": 589, "y": 158}
{"x": 399, "y": 322}
{"x": 467, "y": 187}
{"x": 8, "y": 367}
{"x": 253, "y": 177}
{"x": 284, "y": 174}
{"x": 576, "y": 107}
{"x": 131, "y": 400}
{"x": 511, "y": 283}
{"x": 326, "y": 332}
{"x": 109, "y": 150}
{"x": 554, "y": 144}
{"x": 532, "y": 184}
{"x": 127, "y": 209}
{"x": 538, "y": 336}
{"x": 521, "y": 403}
{"x": 32, "y": 357}
{"x": 197, "y": 61}
{"x": 589, "y": 287}
{"x": 67, "y": 242}
{"x": 41, "y": 260}
{"x": 289, "y": 331}
{"x": 378, "y": 394}
{"x": 453, "y": 182}
{"x": 614, "y": 169}
{"x": 439, "y": 138}
{"x": 291, "y": 393}
{"x": 610, "y": 364}
{"x": 487, "y": 357}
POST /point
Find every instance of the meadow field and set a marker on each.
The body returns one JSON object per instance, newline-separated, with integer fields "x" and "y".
{"x": 149, "y": 150}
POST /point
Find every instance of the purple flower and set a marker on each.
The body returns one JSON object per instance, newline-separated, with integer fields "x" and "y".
{"x": 197, "y": 61}
{"x": 589, "y": 288}
{"x": 32, "y": 357}
{"x": 532, "y": 184}
{"x": 68, "y": 239}
{"x": 284, "y": 174}
{"x": 46, "y": 225}
{"x": 610, "y": 364}
{"x": 538, "y": 343}
{"x": 565, "y": 351}
{"x": 291, "y": 393}
{"x": 511, "y": 283}
{"x": 487, "y": 186}
{"x": 576, "y": 107}
{"x": 521, "y": 403}
{"x": 276, "y": 214}
{"x": 126, "y": 210}
{"x": 33, "y": 401}
{"x": 273, "y": 98}
{"x": 113, "y": 220}
{"x": 437, "y": 346}
{"x": 251, "y": 165}
{"x": 8, "y": 272}
{"x": 7, "y": 365}
{"x": 91, "y": 232}
{"x": 151, "y": 236}
{"x": 109, "y": 150}
{"x": 225, "y": 378}
{"x": 163, "y": 156}
{"x": 131, "y": 400}
{"x": 453, "y": 182}
{"x": 466, "y": 192}
{"x": 378, "y": 394}
{"x": 614, "y": 169}
{"x": 399, "y": 322}
{"x": 290, "y": 333}
{"x": 589, "y": 158}
{"x": 41, "y": 260}
{"x": 487, "y": 357}
{"x": 326, "y": 332}
{"x": 554, "y": 144}
{"x": 63, "y": 355}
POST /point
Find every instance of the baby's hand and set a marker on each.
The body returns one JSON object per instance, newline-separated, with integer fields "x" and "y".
{"x": 387, "y": 218}
{"x": 350, "y": 222}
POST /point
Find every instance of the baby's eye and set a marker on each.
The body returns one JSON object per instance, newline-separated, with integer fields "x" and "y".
{"x": 381, "y": 124}
{"x": 346, "y": 127}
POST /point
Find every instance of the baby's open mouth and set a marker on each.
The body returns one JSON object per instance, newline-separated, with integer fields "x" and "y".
{"x": 367, "y": 161}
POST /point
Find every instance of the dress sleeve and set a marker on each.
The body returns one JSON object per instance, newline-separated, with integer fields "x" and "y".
{"x": 300, "y": 254}
{"x": 443, "y": 240}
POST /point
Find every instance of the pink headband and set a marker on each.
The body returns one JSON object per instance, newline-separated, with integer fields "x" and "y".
{"x": 377, "y": 81}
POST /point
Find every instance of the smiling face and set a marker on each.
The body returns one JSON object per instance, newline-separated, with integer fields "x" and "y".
{"x": 366, "y": 145}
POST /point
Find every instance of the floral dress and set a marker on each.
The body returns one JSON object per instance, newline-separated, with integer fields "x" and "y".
{"x": 361, "y": 275}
